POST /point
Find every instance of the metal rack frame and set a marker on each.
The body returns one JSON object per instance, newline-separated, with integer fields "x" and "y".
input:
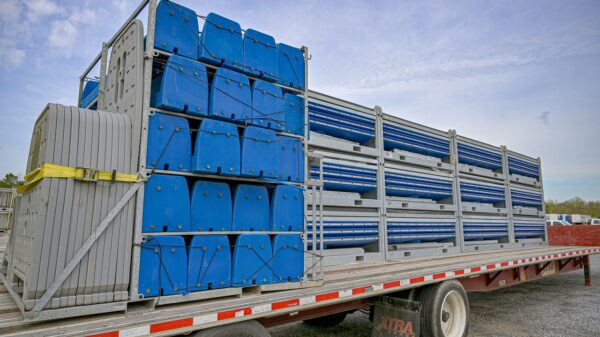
{"x": 149, "y": 54}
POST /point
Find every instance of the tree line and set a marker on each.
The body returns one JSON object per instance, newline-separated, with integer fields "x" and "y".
{"x": 574, "y": 206}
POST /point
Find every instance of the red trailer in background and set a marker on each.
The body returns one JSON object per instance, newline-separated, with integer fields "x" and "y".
{"x": 580, "y": 235}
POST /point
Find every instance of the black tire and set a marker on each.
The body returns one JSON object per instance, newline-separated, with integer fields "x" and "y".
{"x": 327, "y": 321}
{"x": 242, "y": 329}
{"x": 432, "y": 298}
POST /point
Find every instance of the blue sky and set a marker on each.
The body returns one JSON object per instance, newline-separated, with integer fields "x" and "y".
{"x": 525, "y": 74}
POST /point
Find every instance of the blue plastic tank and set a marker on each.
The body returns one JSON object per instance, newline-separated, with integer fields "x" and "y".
{"x": 166, "y": 204}
{"x": 230, "y": 96}
{"x": 211, "y": 208}
{"x": 250, "y": 208}
{"x": 291, "y": 159}
{"x": 294, "y": 114}
{"x": 89, "y": 94}
{"x": 288, "y": 258}
{"x": 251, "y": 256}
{"x": 217, "y": 149}
{"x": 169, "y": 143}
{"x": 260, "y": 154}
{"x": 290, "y": 66}
{"x": 209, "y": 263}
{"x": 268, "y": 106}
{"x": 260, "y": 55}
{"x": 221, "y": 42}
{"x": 176, "y": 29}
{"x": 287, "y": 209}
{"x": 183, "y": 86}
{"x": 163, "y": 266}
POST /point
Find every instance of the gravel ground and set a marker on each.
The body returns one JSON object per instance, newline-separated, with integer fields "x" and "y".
{"x": 559, "y": 306}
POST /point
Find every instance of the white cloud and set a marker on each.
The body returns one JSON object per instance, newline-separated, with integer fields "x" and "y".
{"x": 12, "y": 57}
{"x": 41, "y": 8}
{"x": 83, "y": 16}
{"x": 10, "y": 13}
{"x": 63, "y": 34}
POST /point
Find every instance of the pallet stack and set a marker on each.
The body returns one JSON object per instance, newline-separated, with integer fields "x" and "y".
{"x": 394, "y": 188}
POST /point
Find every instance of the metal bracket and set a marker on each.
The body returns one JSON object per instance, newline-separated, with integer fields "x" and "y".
{"x": 88, "y": 174}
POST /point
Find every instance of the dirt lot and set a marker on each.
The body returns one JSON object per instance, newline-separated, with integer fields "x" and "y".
{"x": 559, "y": 306}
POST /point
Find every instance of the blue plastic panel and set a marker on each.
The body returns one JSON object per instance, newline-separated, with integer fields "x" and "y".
{"x": 478, "y": 156}
{"x": 530, "y": 229}
{"x": 396, "y": 136}
{"x": 417, "y": 186}
{"x": 176, "y": 29}
{"x": 221, "y": 42}
{"x": 166, "y": 204}
{"x": 211, "y": 208}
{"x": 340, "y": 122}
{"x": 260, "y": 153}
{"x": 251, "y": 257}
{"x": 294, "y": 114}
{"x": 209, "y": 263}
{"x": 89, "y": 94}
{"x": 267, "y": 106}
{"x": 290, "y": 66}
{"x": 230, "y": 96}
{"x": 251, "y": 210}
{"x": 345, "y": 233}
{"x": 484, "y": 230}
{"x": 527, "y": 198}
{"x": 288, "y": 258}
{"x": 412, "y": 231}
{"x": 347, "y": 177}
{"x": 522, "y": 167}
{"x": 287, "y": 209}
{"x": 169, "y": 143}
{"x": 183, "y": 86}
{"x": 291, "y": 159}
{"x": 163, "y": 266}
{"x": 217, "y": 149}
{"x": 481, "y": 192}
{"x": 260, "y": 55}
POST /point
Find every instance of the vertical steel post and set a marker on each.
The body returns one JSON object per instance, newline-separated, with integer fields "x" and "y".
{"x": 383, "y": 240}
{"x": 102, "y": 84}
{"x": 543, "y": 199}
{"x": 587, "y": 271}
{"x": 81, "y": 82}
{"x": 137, "y": 235}
{"x": 508, "y": 197}
{"x": 460, "y": 240}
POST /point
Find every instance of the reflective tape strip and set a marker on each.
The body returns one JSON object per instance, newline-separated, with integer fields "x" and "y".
{"x": 198, "y": 321}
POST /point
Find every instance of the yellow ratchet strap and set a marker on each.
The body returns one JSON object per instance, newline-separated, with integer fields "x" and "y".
{"x": 79, "y": 173}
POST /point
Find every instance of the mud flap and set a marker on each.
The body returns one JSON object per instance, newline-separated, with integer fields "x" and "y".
{"x": 396, "y": 317}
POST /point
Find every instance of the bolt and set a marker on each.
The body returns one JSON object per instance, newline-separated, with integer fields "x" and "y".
{"x": 158, "y": 188}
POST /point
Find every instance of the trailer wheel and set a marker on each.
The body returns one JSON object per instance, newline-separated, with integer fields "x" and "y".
{"x": 445, "y": 310}
{"x": 327, "y": 321}
{"x": 242, "y": 329}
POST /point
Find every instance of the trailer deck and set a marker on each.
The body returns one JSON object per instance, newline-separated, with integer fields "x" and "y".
{"x": 342, "y": 284}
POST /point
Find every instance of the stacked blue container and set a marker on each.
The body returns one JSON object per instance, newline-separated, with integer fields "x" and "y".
{"x": 222, "y": 96}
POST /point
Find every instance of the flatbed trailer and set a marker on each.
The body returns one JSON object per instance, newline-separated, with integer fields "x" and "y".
{"x": 335, "y": 289}
{"x": 346, "y": 288}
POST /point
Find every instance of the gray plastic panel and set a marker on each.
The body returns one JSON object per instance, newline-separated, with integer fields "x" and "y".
{"x": 55, "y": 217}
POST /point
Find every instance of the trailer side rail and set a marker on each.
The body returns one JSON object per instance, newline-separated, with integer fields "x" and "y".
{"x": 184, "y": 318}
